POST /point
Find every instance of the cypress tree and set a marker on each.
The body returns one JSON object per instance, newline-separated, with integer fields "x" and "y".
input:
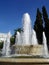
{"x": 46, "y": 20}
{"x": 38, "y": 26}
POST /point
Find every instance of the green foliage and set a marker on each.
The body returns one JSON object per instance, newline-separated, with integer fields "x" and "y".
{"x": 38, "y": 26}
{"x": 1, "y": 45}
{"x": 12, "y": 40}
{"x": 19, "y": 30}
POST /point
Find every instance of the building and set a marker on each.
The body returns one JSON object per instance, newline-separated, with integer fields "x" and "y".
{"x": 3, "y": 36}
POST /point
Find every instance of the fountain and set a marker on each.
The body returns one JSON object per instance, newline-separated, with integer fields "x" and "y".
{"x": 26, "y": 42}
{"x": 6, "y": 46}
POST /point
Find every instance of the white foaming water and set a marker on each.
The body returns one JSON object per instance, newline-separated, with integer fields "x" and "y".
{"x": 28, "y": 36}
{"x": 18, "y": 39}
{"x": 26, "y": 29}
{"x": 45, "y": 45}
{"x": 6, "y": 46}
{"x": 34, "y": 38}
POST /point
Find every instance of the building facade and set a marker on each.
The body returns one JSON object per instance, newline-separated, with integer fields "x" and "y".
{"x": 3, "y": 36}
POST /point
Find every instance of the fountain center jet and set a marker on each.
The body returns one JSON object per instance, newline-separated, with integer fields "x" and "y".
{"x": 26, "y": 29}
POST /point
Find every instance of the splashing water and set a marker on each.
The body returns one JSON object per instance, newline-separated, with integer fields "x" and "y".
{"x": 18, "y": 39}
{"x": 6, "y": 46}
{"x": 34, "y": 38}
{"x": 45, "y": 45}
{"x": 28, "y": 36}
{"x": 26, "y": 29}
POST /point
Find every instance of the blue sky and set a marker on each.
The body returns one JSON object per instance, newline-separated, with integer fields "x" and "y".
{"x": 11, "y": 12}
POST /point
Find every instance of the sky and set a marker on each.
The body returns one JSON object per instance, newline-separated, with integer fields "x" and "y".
{"x": 11, "y": 12}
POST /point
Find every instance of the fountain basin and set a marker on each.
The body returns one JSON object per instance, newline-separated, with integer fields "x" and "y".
{"x": 28, "y": 49}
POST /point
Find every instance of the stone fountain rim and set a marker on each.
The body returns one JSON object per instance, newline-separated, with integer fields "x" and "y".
{"x": 22, "y": 60}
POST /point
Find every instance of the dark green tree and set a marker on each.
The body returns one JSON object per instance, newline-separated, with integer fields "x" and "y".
{"x": 38, "y": 26}
{"x": 46, "y": 21}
